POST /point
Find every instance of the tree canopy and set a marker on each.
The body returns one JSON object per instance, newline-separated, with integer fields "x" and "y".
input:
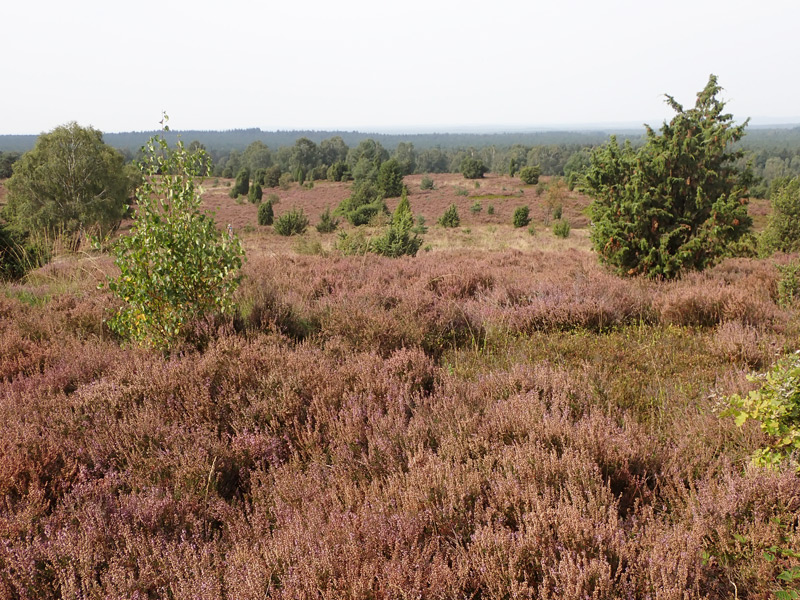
{"x": 70, "y": 181}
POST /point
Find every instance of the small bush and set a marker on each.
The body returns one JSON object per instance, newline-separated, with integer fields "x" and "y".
{"x": 776, "y": 406}
{"x": 557, "y": 211}
{"x": 473, "y": 168}
{"x": 490, "y": 209}
{"x": 242, "y": 185}
{"x": 450, "y": 217}
{"x": 363, "y": 204}
{"x": 521, "y": 216}
{"x": 420, "y": 227}
{"x": 783, "y": 229}
{"x": 427, "y": 184}
{"x": 274, "y": 198}
{"x": 399, "y": 240}
{"x": 272, "y": 177}
{"x": 293, "y": 222}
{"x": 352, "y": 243}
{"x": 788, "y": 284}
{"x": 285, "y": 181}
{"x": 561, "y": 228}
{"x": 266, "y": 214}
{"x": 255, "y": 193}
{"x": 476, "y": 208}
{"x": 530, "y": 175}
{"x": 327, "y": 223}
{"x": 531, "y": 229}
{"x": 460, "y": 191}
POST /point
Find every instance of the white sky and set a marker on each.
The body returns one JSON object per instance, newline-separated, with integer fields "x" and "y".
{"x": 422, "y": 65}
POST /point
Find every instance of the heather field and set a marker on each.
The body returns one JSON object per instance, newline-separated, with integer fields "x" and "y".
{"x": 497, "y": 417}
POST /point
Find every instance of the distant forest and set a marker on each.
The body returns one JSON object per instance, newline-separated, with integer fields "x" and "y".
{"x": 774, "y": 153}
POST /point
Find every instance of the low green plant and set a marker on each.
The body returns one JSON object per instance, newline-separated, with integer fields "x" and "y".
{"x": 490, "y": 209}
{"x": 266, "y": 214}
{"x": 450, "y": 217}
{"x": 427, "y": 184}
{"x": 460, "y": 191}
{"x": 561, "y": 228}
{"x": 293, "y": 222}
{"x": 327, "y": 223}
{"x": 788, "y": 284}
{"x": 531, "y": 229}
{"x": 521, "y": 216}
{"x": 274, "y": 198}
{"x": 530, "y": 175}
{"x": 476, "y": 208}
{"x": 285, "y": 181}
{"x": 557, "y": 211}
{"x": 420, "y": 227}
{"x": 398, "y": 239}
{"x": 175, "y": 266}
{"x": 353, "y": 243}
{"x": 776, "y": 406}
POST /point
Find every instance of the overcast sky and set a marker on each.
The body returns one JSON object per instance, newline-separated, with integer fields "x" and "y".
{"x": 410, "y": 65}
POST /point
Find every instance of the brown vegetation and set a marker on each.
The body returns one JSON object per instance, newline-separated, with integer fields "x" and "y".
{"x": 463, "y": 424}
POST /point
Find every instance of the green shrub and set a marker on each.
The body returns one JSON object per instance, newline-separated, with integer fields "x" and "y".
{"x": 390, "y": 179}
{"x": 561, "y": 228}
{"x": 353, "y": 243}
{"x": 242, "y": 184}
{"x": 521, "y": 216}
{"x": 490, "y": 209}
{"x": 272, "y": 176}
{"x": 476, "y": 207}
{"x": 776, "y": 406}
{"x": 557, "y": 210}
{"x": 473, "y": 168}
{"x": 420, "y": 227}
{"x": 427, "y": 184}
{"x": 285, "y": 181}
{"x": 783, "y": 228}
{"x": 175, "y": 267}
{"x": 530, "y": 175}
{"x": 531, "y": 229}
{"x": 676, "y": 203}
{"x": 266, "y": 213}
{"x": 460, "y": 191}
{"x": 450, "y": 217}
{"x": 327, "y": 223}
{"x": 255, "y": 193}
{"x": 363, "y": 204}
{"x": 788, "y": 284}
{"x": 398, "y": 239}
{"x": 293, "y": 222}
{"x": 339, "y": 171}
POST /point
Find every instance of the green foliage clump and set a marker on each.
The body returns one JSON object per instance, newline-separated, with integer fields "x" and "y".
{"x": 266, "y": 214}
{"x": 561, "y": 228}
{"x": 327, "y": 223}
{"x": 338, "y": 171}
{"x": 460, "y": 191}
{"x": 390, "y": 179}
{"x": 398, "y": 240}
{"x": 19, "y": 254}
{"x": 363, "y": 204}
{"x": 783, "y": 228}
{"x": 255, "y": 194}
{"x": 788, "y": 284}
{"x": 679, "y": 201}
{"x": 285, "y": 181}
{"x": 272, "y": 176}
{"x": 521, "y": 216}
{"x": 490, "y": 209}
{"x": 293, "y": 222}
{"x": 353, "y": 243}
{"x": 476, "y": 207}
{"x": 427, "y": 183}
{"x": 175, "y": 267}
{"x": 473, "y": 168}
{"x": 71, "y": 181}
{"x": 242, "y": 184}
{"x": 776, "y": 406}
{"x": 450, "y": 217}
{"x": 530, "y": 175}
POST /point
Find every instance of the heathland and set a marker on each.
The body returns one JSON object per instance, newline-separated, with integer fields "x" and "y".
{"x": 499, "y": 416}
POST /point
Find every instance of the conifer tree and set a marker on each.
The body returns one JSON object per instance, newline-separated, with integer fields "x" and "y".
{"x": 679, "y": 201}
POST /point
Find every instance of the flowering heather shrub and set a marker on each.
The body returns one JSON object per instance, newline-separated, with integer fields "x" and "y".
{"x": 491, "y": 425}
